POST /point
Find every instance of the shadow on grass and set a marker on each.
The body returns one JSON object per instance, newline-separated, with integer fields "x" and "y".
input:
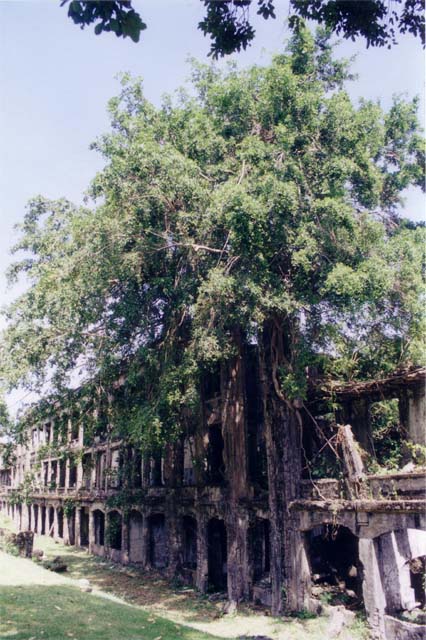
{"x": 61, "y": 612}
{"x": 144, "y": 588}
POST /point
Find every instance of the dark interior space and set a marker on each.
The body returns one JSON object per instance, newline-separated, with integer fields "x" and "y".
{"x": 418, "y": 579}
{"x": 217, "y": 555}
{"x": 43, "y": 520}
{"x": 51, "y": 520}
{"x": 259, "y": 533}
{"x": 73, "y": 474}
{"x": 156, "y": 472}
{"x": 53, "y": 473}
{"x": 334, "y": 561}
{"x": 60, "y": 517}
{"x": 84, "y": 527}
{"x": 87, "y": 470}
{"x": 62, "y": 470}
{"x": 75, "y": 426}
{"x": 318, "y": 459}
{"x": 254, "y": 416}
{"x": 71, "y": 526}
{"x": 215, "y": 463}
{"x": 114, "y": 530}
{"x": 99, "y": 527}
{"x": 189, "y": 542}
{"x": 158, "y": 556}
{"x": 137, "y": 469}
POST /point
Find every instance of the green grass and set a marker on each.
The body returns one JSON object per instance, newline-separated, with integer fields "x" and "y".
{"x": 58, "y": 612}
{"x": 36, "y": 604}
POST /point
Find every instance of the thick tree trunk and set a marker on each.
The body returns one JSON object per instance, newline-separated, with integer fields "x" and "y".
{"x": 235, "y": 458}
{"x": 289, "y": 568}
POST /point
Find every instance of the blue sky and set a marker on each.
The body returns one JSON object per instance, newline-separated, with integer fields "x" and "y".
{"x": 55, "y": 81}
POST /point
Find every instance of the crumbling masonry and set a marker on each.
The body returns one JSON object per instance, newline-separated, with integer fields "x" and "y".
{"x": 202, "y": 510}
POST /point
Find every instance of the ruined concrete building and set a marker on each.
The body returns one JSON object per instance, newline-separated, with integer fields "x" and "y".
{"x": 201, "y": 510}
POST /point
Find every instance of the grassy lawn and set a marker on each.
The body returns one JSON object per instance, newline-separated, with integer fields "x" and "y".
{"x": 58, "y": 612}
{"x": 36, "y": 604}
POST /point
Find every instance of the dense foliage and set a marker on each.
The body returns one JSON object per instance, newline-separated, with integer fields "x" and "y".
{"x": 263, "y": 197}
{"x": 228, "y": 23}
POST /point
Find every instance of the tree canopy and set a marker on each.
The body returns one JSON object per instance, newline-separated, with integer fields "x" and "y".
{"x": 263, "y": 197}
{"x": 228, "y": 24}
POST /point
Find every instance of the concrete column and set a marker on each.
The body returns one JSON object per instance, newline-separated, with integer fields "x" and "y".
{"x": 412, "y": 411}
{"x": 93, "y": 473}
{"x": 372, "y": 589}
{"x": 55, "y": 522}
{"x": 25, "y": 519}
{"x": 77, "y": 527}
{"x": 202, "y": 573}
{"x": 91, "y": 530}
{"x": 175, "y": 541}
{"x": 396, "y": 549}
{"x": 146, "y": 471}
{"x": 49, "y": 471}
{"x": 67, "y": 475}
{"x": 356, "y": 412}
{"x": 81, "y": 434}
{"x": 66, "y": 534}
{"x": 42, "y": 519}
{"x": 79, "y": 474}
{"x": 125, "y": 539}
{"x": 145, "y": 540}
{"x": 36, "y": 522}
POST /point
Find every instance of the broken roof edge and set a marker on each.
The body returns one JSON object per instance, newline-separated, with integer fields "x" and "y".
{"x": 382, "y": 387}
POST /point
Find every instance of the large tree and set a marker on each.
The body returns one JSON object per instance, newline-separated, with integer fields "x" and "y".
{"x": 266, "y": 197}
{"x": 260, "y": 209}
{"x": 229, "y": 26}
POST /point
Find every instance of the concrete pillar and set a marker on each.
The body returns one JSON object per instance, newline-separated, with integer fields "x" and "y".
{"x": 49, "y": 471}
{"x": 55, "y": 522}
{"x": 202, "y": 573}
{"x": 372, "y": 589}
{"x": 81, "y": 434}
{"x": 67, "y": 475}
{"x": 25, "y": 517}
{"x": 125, "y": 539}
{"x": 412, "y": 411}
{"x": 77, "y": 527}
{"x": 36, "y": 520}
{"x": 93, "y": 473}
{"x": 66, "y": 531}
{"x": 42, "y": 519}
{"x": 175, "y": 541}
{"x": 91, "y": 530}
{"x": 145, "y": 540}
{"x": 146, "y": 470}
{"x": 356, "y": 412}
{"x": 79, "y": 474}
